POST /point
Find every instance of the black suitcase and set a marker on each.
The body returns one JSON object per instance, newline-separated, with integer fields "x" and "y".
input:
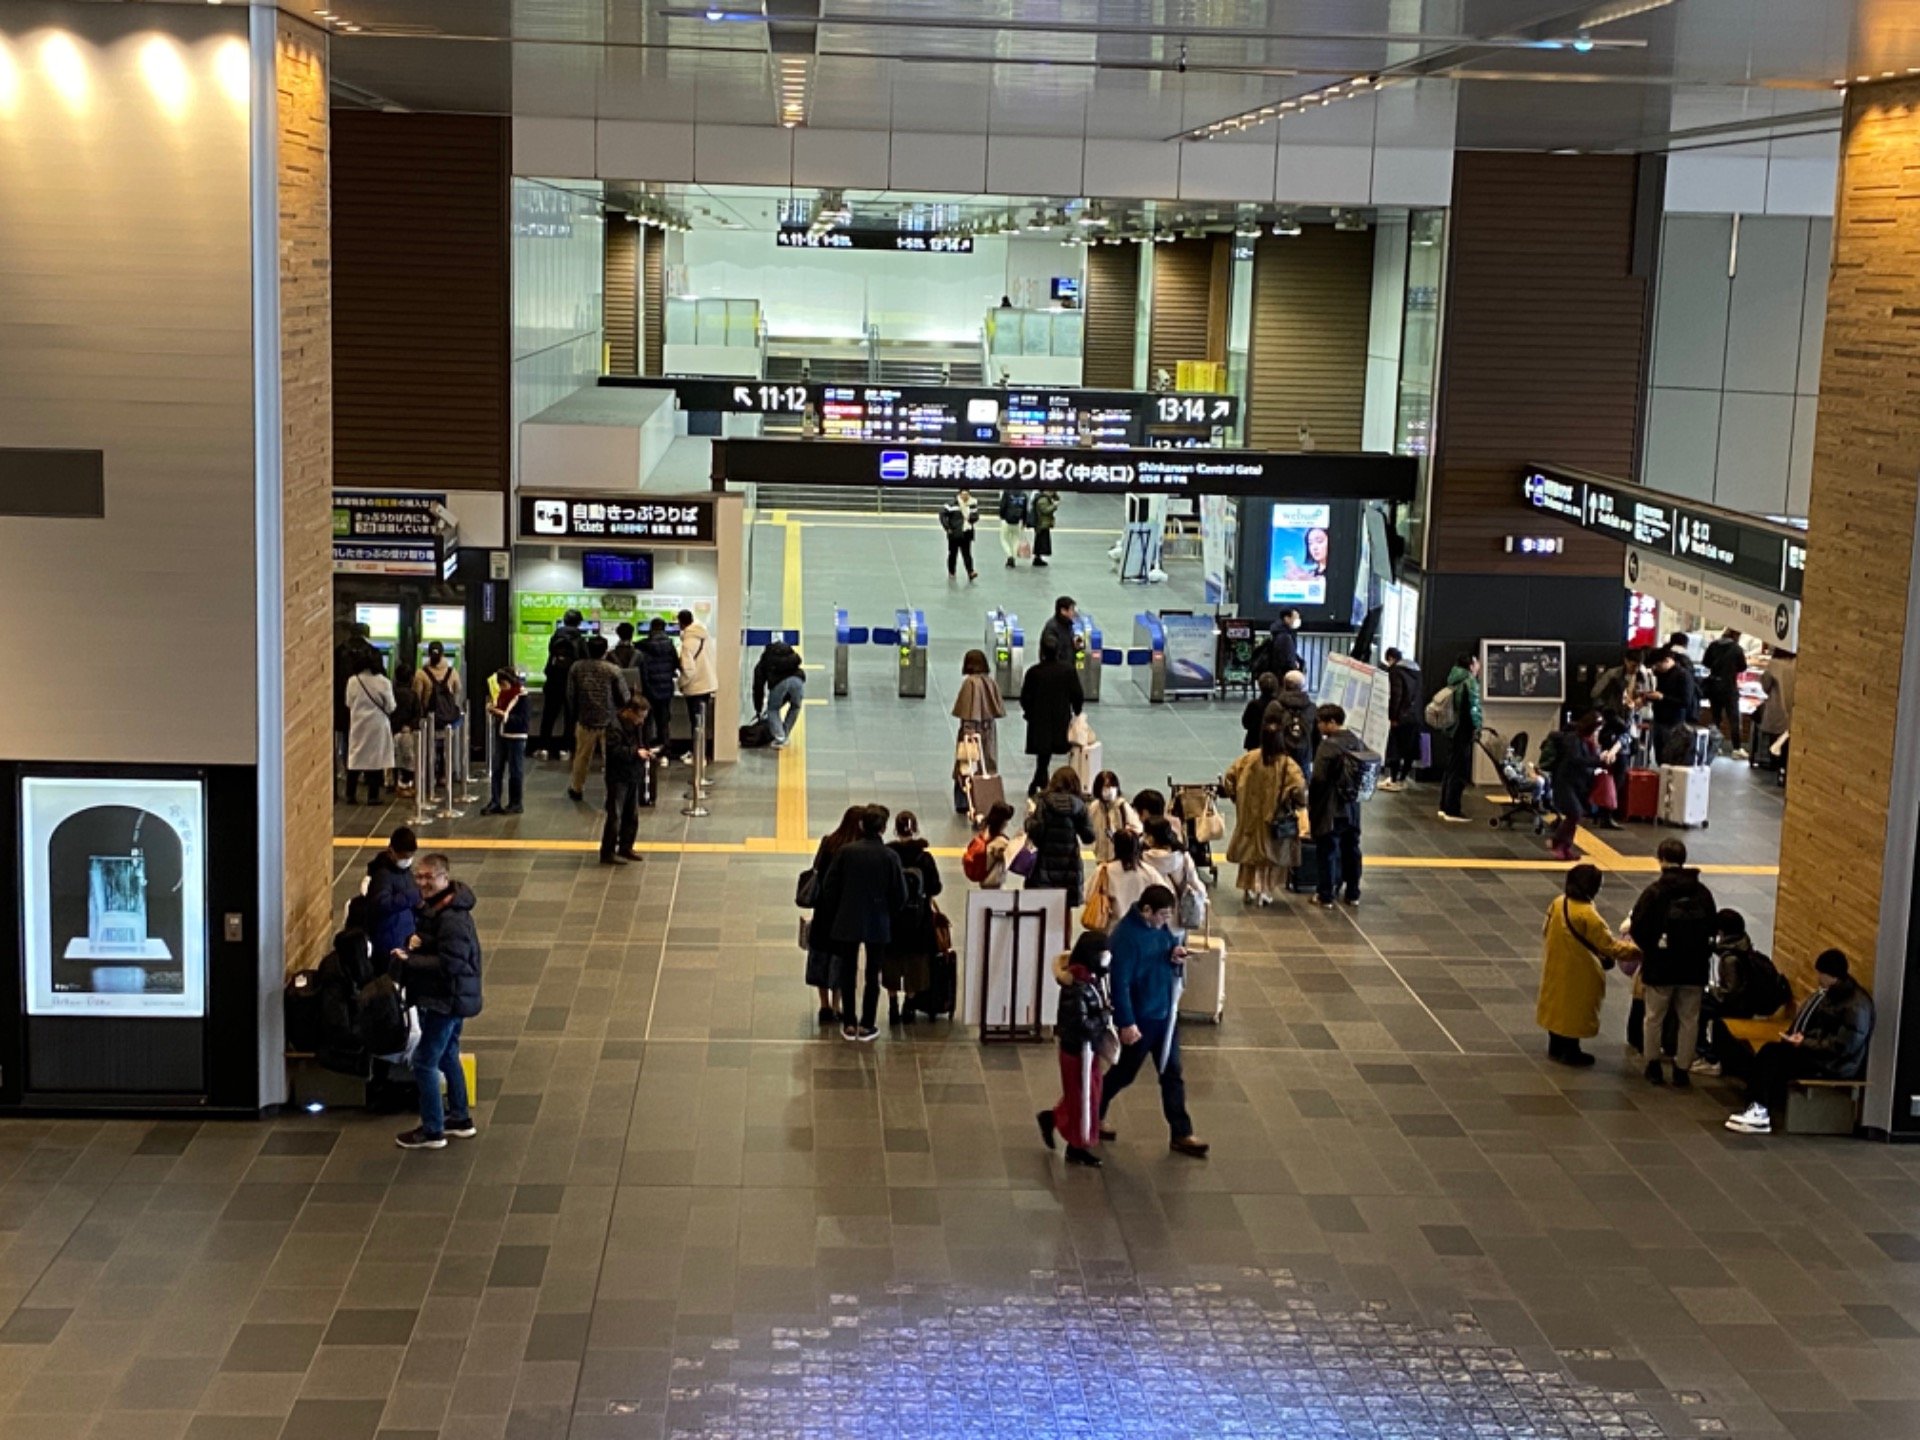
{"x": 1304, "y": 878}
{"x": 943, "y": 988}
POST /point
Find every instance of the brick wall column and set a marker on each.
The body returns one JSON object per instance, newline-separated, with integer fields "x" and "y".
{"x": 1847, "y": 875}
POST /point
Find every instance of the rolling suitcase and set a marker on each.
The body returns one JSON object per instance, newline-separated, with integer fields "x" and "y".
{"x": 1683, "y": 794}
{"x": 1304, "y": 878}
{"x": 942, "y": 994}
{"x": 1643, "y": 795}
{"x": 983, "y": 793}
{"x": 1204, "y": 996}
{"x": 1086, "y": 763}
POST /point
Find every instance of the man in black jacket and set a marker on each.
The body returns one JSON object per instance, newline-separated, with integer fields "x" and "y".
{"x": 659, "y": 666}
{"x": 865, "y": 887}
{"x": 1676, "y": 706}
{"x": 1827, "y": 1041}
{"x": 567, "y": 644}
{"x": 627, "y": 762}
{"x": 1333, "y": 806}
{"x": 779, "y": 685}
{"x": 440, "y": 971}
{"x": 1060, "y": 628}
{"x": 1724, "y": 662}
{"x": 1403, "y": 720}
{"x": 1674, "y": 922}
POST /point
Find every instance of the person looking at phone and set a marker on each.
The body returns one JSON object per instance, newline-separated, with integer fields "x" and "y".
{"x": 1148, "y": 961}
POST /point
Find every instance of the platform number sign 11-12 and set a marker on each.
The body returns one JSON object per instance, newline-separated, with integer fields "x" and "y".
{"x": 771, "y": 399}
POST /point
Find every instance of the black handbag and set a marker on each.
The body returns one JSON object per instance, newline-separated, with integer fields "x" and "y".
{"x": 806, "y": 890}
{"x": 1285, "y": 824}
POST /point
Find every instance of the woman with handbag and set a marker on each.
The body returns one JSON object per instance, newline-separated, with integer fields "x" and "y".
{"x": 1577, "y": 950}
{"x": 1162, "y": 850}
{"x": 1269, "y": 795}
{"x": 907, "y": 964}
{"x": 977, "y": 707}
{"x": 1576, "y": 769}
{"x": 806, "y": 894}
{"x": 1119, "y": 883}
{"x": 1088, "y": 1043}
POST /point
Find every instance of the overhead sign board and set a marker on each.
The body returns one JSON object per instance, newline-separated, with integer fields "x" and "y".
{"x": 1060, "y": 415}
{"x": 564, "y": 519}
{"x": 802, "y": 237}
{"x": 1315, "y": 475}
{"x": 1716, "y": 602}
{"x": 1709, "y": 541}
{"x": 388, "y": 533}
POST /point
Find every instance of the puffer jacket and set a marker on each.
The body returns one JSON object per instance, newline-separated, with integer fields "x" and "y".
{"x": 392, "y": 897}
{"x": 1083, "y": 1014}
{"x": 1837, "y": 1031}
{"x": 443, "y": 975}
{"x": 659, "y": 667}
{"x": 1058, "y": 827}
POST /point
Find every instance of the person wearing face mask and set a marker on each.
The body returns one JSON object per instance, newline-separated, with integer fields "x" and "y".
{"x": 1111, "y": 815}
{"x": 392, "y": 895}
{"x": 1081, "y": 1026}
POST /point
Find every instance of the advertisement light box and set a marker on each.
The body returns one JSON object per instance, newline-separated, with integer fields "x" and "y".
{"x": 114, "y": 896}
{"x": 1298, "y": 553}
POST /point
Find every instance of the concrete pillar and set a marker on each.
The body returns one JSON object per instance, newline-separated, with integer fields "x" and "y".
{"x": 1847, "y": 875}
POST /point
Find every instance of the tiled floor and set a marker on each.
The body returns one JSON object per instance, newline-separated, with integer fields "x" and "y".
{"x": 687, "y": 1213}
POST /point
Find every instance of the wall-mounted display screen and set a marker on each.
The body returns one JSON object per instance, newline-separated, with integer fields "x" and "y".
{"x": 616, "y": 569}
{"x": 1524, "y": 669}
{"x": 113, "y": 889}
{"x": 1066, "y": 288}
{"x": 382, "y": 621}
{"x": 1299, "y": 554}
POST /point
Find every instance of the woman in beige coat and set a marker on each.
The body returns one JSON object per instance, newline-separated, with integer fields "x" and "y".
{"x": 1262, "y": 784}
{"x": 977, "y": 707}
{"x": 1576, "y": 952}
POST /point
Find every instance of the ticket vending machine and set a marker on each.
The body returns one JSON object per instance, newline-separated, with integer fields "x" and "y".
{"x": 383, "y": 629}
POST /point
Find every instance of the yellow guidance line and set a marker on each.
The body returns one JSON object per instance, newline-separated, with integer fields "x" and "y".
{"x": 790, "y": 802}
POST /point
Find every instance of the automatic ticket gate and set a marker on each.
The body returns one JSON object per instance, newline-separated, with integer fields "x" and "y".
{"x": 1006, "y": 647}
{"x": 844, "y": 637}
{"x": 1087, "y": 659}
{"x": 1151, "y": 636}
{"x": 912, "y": 642}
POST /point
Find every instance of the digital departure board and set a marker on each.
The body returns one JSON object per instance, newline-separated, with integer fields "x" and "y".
{"x": 875, "y": 412}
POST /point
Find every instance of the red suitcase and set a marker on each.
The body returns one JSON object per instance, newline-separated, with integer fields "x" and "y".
{"x": 1643, "y": 794}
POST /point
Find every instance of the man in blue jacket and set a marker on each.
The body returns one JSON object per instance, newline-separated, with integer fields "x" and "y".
{"x": 1147, "y": 960}
{"x": 392, "y": 895}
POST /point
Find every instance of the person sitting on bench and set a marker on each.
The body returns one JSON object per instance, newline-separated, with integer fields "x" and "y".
{"x": 1826, "y": 1041}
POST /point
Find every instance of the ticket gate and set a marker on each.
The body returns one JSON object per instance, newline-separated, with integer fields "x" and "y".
{"x": 911, "y": 626}
{"x": 1006, "y": 647}
{"x": 1151, "y": 677}
{"x": 1087, "y": 655}
{"x": 844, "y": 637}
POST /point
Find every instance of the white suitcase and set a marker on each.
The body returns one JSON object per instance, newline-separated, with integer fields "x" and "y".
{"x": 1683, "y": 794}
{"x": 1205, "y": 995}
{"x": 1086, "y": 762}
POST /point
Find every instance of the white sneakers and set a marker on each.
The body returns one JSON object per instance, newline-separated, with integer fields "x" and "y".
{"x": 1452, "y": 819}
{"x": 1391, "y": 785}
{"x": 1754, "y": 1120}
{"x": 1705, "y": 1067}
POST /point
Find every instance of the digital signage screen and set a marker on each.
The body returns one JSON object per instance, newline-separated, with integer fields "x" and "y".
{"x": 1299, "y": 554}
{"x": 616, "y": 570}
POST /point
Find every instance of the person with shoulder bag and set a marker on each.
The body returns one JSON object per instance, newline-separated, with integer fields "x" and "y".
{"x": 1083, "y": 1027}
{"x": 1577, "y": 949}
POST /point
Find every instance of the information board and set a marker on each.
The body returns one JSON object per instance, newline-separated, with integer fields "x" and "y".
{"x": 1523, "y": 669}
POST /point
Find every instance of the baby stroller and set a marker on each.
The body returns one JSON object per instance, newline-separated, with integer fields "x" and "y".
{"x": 1194, "y": 806}
{"x": 1527, "y": 788}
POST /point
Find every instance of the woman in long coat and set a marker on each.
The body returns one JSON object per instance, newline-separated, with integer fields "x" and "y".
{"x": 1050, "y": 696}
{"x": 1261, "y": 784}
{"x": 977, "y": 707}
{"x": 370, "y": 703}
{"x": 1577, "y": 950}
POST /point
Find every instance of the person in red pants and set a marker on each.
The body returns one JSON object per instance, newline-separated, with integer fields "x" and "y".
{"x": 1082, "y": 1023}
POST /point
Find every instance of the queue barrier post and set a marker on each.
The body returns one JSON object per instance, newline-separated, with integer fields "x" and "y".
{"x": 696, "y": 790}
{"x": 423, "y": 772}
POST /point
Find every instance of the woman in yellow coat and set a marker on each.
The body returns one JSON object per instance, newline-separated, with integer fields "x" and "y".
{"x": 1576, "y": 954}
{"x": 1261, "y": 784}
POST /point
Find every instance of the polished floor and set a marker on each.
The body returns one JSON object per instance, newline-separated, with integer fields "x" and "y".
{"x": 690, "y": 1213}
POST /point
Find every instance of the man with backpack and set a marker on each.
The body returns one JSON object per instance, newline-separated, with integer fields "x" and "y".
{"x": 1013, "y": 519}
{"x": 595, "y": 693}
{"x": 440, "y": 971}
{"x": 1673, "y": 923}
{"x": 1344, "y": 774}
{"x": 567, "y": 644}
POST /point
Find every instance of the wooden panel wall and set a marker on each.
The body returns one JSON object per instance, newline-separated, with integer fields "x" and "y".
{"x": 1862, "y": 514}
{"x": 421, "y": 300}
{"x": 1112, "y": 307}
{"x": 1188, "y": 321}
{"x": 653, "y": 300}
{"x": 1312, "y": 302}
{"x": 622, "y": 261}
{"x": 306, "y": 471}
{"x": 1543, "y": 351}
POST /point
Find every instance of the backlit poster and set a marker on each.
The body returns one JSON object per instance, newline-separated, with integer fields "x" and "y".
{"x": 1298, "y": 554}
{"x": 113, "y": 885}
